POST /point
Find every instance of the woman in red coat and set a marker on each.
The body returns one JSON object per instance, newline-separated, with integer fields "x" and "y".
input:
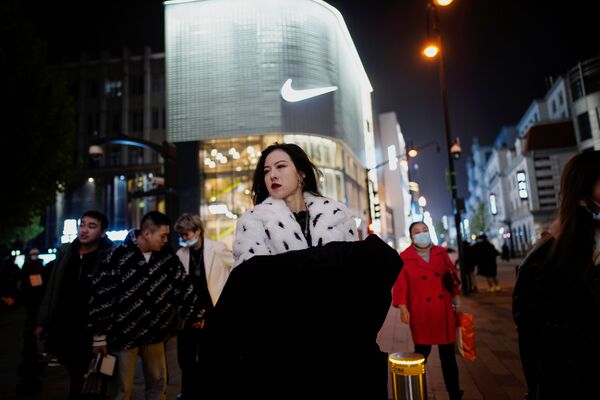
{"x": 426, "y": 304}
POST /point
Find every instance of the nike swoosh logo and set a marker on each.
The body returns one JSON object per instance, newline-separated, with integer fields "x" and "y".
{"x": 292, "y": 95}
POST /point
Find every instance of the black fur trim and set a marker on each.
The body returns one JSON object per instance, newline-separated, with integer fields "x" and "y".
{"x": 316, "y": 219}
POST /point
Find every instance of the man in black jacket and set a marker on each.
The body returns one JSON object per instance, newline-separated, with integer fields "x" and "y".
{"x": 63, "y": 314}
{"x": 133, "y": 296}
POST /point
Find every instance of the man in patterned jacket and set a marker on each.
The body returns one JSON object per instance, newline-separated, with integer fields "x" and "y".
{"x": 133, "y": 295}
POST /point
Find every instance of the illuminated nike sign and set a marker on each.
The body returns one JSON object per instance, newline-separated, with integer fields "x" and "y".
{"x": 293, "y": 95}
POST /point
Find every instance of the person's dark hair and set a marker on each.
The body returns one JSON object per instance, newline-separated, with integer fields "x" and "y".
{"x": 301, "y": 162}
{"x": 154, "y": 220}
{"x": 573, "y": 245}
{"x": 97, "y": 215}
{"x": 414, "y": 224}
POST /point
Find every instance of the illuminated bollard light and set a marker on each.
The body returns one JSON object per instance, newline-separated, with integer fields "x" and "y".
{"x": 408, "y": 376}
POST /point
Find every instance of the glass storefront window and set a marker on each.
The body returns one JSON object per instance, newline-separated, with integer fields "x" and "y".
{"x": 227, "y": 169}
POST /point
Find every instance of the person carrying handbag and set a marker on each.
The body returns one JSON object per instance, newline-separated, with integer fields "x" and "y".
{"x": 427, "y": 305}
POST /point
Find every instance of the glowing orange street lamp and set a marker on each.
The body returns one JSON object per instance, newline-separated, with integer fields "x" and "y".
{"x": 431, "y": 50}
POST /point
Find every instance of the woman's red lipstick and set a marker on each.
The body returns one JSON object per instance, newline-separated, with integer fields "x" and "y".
{"x": 275, "y": 186}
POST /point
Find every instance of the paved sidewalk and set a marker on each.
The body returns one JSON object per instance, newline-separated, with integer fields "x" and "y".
{"x": 496, "y": 373}
{"x": 55, "y": 379}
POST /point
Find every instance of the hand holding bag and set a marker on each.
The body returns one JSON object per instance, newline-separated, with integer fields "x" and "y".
{"x": 450, "y": 280}
{"x": 93, "y": 384}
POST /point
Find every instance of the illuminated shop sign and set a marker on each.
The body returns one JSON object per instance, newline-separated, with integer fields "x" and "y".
{"x": 493, "y": 205}
{"x": 292, "y": 95}
{"x": 522, "y": 185}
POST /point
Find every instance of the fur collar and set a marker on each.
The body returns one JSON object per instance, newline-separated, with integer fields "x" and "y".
{"x": 271, "y": 228}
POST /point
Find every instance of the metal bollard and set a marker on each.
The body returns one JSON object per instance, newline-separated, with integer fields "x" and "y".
{"x": 408, "y": 376}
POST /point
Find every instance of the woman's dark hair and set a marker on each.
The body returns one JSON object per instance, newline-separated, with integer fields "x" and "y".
{"x": 301, "y": 162}
{"x": 574, "y": 234}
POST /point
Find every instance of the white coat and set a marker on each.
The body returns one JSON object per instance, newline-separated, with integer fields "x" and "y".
{"x": 218, "y": 262}
{"x": 271, "y": 228}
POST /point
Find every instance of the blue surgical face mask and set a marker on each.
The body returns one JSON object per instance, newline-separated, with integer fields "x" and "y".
{"x": 422, "y": 239}
{"x": 188, "y": 243}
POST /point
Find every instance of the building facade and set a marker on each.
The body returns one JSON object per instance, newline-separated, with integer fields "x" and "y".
{"x": 396, "y": 196}
{"x": 522, "y": 173}
{"x": 114, "y": 95}
{"x": 244, "y": 74}
{"x": 584, "y": 80}
{"x": 236, "y": 77}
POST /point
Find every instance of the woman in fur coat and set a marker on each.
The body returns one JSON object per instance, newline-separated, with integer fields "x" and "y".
{"x": 289, "y": 212}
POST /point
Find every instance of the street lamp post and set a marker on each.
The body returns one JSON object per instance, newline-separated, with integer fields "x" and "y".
{"x": 434, "y": 49}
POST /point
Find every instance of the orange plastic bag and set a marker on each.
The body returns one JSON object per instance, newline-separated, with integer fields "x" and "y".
{"x": 465, "y": 336}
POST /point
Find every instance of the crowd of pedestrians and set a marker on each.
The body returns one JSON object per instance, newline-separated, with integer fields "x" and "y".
{"x": 99, "y": 299}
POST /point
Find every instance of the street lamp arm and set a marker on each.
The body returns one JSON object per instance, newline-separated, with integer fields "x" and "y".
{"x": 381, "y": 164}
{"x": 128, "y": 140}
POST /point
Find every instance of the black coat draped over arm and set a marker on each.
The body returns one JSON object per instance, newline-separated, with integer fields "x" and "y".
{"x": 305, "y": 321}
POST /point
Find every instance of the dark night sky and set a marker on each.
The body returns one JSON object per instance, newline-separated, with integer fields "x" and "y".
{"x": 497, "y": 54}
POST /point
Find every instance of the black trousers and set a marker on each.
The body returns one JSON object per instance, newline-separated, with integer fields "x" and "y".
{"x": 449, "y": 367}
{"x": 192, "y": 359}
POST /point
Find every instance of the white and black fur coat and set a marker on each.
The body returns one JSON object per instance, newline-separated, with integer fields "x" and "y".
{"x": 271, "y": 228}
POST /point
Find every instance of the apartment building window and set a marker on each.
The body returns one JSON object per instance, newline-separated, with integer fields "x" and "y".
{"x": 522, "y": 185}
{"x": 92, "y": 89}
{"x": 116, "y": 122}
{"x": 113, "y": 88}
{"x": 136, "y": 121}
{"x": 157, "y": 83}
{"x": 585, "y": 128}
{"x": 493, "y": 204}
{"x": 155, "y": 118}
{"x": 561, "y": 99}
{"x": 136, "y": 85}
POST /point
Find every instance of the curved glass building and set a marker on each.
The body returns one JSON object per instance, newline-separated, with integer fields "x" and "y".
{"x": 242, "y": 74}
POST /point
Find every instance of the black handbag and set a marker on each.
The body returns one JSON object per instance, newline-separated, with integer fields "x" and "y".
{"x": 450, "y": 280}
{"x": 94, "y": 382}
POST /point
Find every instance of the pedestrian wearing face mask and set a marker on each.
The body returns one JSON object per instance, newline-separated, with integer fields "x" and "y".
{"x": 425, "y": 303}
{"x": 208, "y": 263}
{"x": 556, "y": 301}
{"x": 138, "y": 285}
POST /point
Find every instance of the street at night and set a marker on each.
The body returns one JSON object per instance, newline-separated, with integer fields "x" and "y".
{"x": 195, "y": 187}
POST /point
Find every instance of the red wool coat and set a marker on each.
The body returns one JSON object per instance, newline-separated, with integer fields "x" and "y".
{"x": 420, "y": 287}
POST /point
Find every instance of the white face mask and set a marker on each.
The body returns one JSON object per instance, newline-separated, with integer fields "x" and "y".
{"x": 422, "y": 239}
